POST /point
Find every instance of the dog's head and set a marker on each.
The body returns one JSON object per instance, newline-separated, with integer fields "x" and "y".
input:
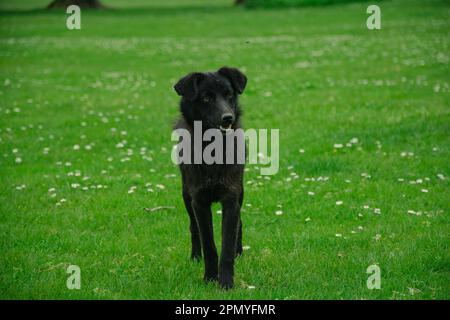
{"x": 212, "y": 97}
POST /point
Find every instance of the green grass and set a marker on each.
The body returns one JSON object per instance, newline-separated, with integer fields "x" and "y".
{"x": 315, "y": 73}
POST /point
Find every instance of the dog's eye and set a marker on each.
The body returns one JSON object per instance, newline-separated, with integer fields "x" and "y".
{"x": 206, "y": 99}
{"x": 229, "y": 96}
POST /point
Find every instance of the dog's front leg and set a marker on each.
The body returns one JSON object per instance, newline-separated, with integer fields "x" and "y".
{"x": 202, "y": 211}
{"x": 230, "y": 224}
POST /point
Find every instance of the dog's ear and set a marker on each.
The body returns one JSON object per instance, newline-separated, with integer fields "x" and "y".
{"x": 236, "y": 77}
{"x": 187, "y": 86}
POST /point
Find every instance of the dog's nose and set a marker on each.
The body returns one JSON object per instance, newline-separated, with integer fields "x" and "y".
{"x": 227, "y": 119}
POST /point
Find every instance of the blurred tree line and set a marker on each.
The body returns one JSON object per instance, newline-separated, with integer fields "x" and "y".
{"x": 93, "y": 3}
{"x": 80, "y": 3}
{"x": 247, "y": 3}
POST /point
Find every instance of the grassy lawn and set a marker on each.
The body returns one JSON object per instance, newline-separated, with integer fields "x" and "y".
{"x": 86, "y": 115}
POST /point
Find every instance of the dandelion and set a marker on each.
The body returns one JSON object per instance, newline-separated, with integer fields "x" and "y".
{"x": 18, "y": 160}
{"x": 441, "y": 176}
{"x": 424, "y": 190}
{"x": 338, "y": 145}
{"x": 251, "y": 287}
{"x": 338, "y": 235}
{"x": 308, "y": 219}
{"x": 76, "y": 147}
{"x": 311, "y": 193}
{"x": 339, "y": 202}
{"x": 279, "y": 212}
{"x": 377, "y": 211}
{"x": 246, "y": 248}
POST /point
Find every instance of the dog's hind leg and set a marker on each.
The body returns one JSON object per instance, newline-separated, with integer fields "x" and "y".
{"x": 203, "y": 214}
{"x": 239, "y": 236}
{"x": 239, "y": 240}
{"x": 196, "y": 253}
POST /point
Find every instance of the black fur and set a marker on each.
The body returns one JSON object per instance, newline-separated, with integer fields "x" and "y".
{"x": 207, "y": 97}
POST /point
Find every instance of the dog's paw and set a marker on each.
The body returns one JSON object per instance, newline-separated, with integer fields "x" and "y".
{"x": 208, "y": 279}
{"x": 226, "y": 281}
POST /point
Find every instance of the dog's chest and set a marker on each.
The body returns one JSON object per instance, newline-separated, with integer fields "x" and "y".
{"x": 213, "y": 179}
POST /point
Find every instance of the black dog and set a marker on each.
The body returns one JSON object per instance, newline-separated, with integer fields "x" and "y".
{"x": 212, "y": 98}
